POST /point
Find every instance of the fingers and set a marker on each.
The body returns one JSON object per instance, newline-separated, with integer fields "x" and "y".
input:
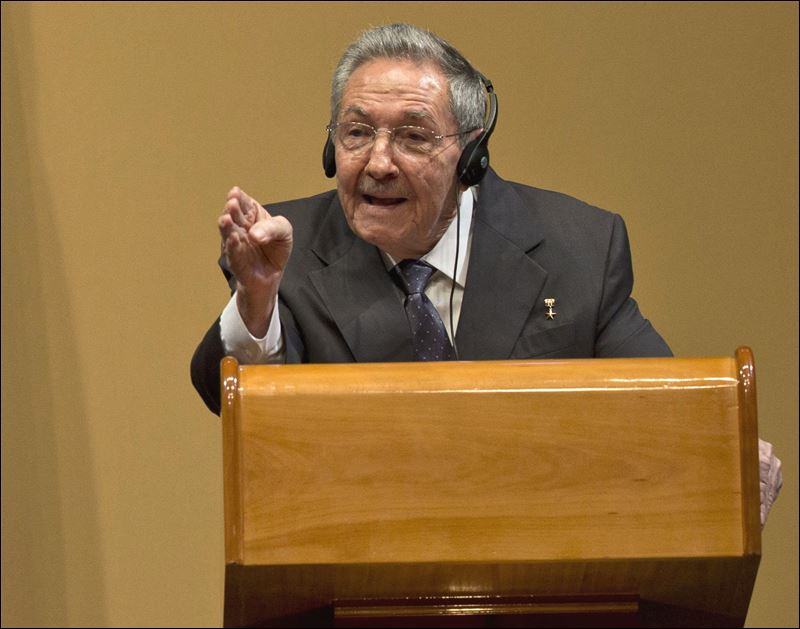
{"x": 251, "y": 237}
{"x": 243, "y": 209}
{"x": 228, "y": 227}
{"x": 241, "y": 212}
{"x": 233, "y": 225}
{"x": 233, "y": 240}
{"x": 237, "y": 207}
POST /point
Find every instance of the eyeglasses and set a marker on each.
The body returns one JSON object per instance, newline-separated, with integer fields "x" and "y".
{"x": 358, "y": 136}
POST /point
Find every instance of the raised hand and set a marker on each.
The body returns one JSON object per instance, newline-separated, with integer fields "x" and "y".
{"x": 257, "y": 247}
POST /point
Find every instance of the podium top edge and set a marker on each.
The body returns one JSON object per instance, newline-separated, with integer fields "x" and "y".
{"x": 497, "y": 376}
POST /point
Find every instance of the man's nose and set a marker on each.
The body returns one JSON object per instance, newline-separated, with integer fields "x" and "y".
{"x": 381, "y": 157}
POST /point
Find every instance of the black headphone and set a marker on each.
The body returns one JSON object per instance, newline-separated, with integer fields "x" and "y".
{"x": 474, "y": 160}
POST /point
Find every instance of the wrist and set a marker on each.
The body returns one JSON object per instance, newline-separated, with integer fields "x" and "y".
{"x": 255, "y": 307}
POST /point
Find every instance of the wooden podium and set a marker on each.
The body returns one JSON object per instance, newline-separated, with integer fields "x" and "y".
{"x": 605, "y": 492}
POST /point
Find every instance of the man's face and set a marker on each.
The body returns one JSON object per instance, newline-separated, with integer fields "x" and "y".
{"x": 398, "y": 202}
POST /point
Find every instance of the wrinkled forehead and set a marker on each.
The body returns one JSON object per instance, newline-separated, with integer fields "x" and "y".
{"x": 417, "y": 89}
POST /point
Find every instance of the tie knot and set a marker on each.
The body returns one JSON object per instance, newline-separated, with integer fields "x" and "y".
{"x": 414, "y": 275}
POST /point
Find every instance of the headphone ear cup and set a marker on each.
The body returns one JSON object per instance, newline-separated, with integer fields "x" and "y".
{"x": 474, "y": 161}
{"x": 329, "y": 158}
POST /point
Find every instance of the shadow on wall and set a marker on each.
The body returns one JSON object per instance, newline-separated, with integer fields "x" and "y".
{"x": 52, "y": 569}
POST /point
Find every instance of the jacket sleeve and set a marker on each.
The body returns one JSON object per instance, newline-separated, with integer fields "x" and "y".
{"x": 205, "y": 367}
{"x": 205, "y": 364}
{"x": 622, "y": 330}
{"x": 209, "y": 353}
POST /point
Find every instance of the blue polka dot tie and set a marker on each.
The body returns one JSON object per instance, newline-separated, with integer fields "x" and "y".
{"x": 430, "y": 337}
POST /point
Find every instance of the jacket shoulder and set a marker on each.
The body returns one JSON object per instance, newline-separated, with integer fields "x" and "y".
{"x": 558, "y": 205}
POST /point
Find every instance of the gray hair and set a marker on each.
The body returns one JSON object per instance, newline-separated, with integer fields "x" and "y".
{"x": 404, "y": 41}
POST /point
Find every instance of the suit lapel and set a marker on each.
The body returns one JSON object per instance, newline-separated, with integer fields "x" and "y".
{"x": 503, "y": 282}
{"x": 359, "y": 294}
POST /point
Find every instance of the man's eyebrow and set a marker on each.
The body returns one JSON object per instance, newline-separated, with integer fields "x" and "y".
{"x": 353, "y": 109}
{"x": 418, "y": 114}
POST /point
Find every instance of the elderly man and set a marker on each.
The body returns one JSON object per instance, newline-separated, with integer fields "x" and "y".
{"x": 522, "y": 273}
{"x": 411, "y": 259}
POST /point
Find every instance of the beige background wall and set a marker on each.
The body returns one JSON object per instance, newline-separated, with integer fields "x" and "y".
{"x": 124, "y": 126}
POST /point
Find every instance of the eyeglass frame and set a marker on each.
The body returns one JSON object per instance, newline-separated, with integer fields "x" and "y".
{"x": 331, "y": 128}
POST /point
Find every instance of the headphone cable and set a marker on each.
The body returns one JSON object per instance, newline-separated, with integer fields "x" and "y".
{"x": 455, "y": 271}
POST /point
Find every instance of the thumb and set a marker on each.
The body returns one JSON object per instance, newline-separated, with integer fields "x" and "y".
{"x": 273, "y": 229}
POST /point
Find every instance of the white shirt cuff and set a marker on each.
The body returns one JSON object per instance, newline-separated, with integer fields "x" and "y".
{"x": 247, "y": 349}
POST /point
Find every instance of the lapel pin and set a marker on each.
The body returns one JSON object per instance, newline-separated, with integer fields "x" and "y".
{"x": 551, "y": 314}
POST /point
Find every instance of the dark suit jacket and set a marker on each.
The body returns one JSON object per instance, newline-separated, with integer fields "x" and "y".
{"x": 337, "y": 302}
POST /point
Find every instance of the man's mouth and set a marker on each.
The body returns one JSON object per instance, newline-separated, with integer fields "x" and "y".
{"x": 383, "y": 201}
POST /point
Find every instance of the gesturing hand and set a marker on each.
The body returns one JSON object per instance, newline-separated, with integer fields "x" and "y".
{"x": 257, "y": 247}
